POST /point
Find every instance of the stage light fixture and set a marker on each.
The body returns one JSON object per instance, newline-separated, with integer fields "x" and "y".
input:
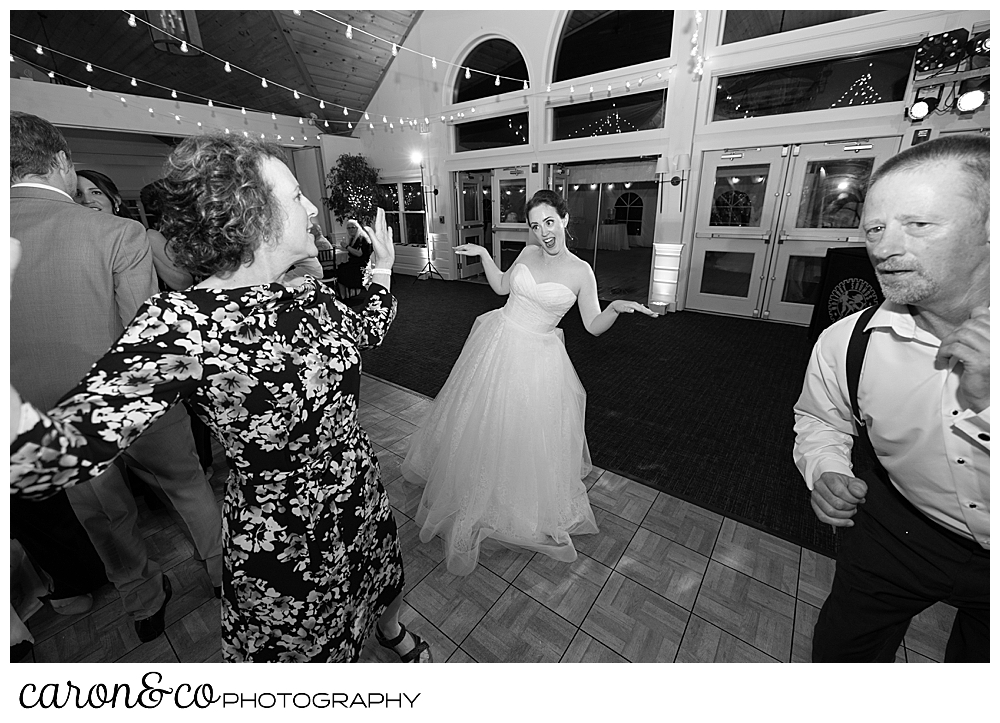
{"x": 973, "y": 94}
{"x": 923, "y": 108}
{"x": 978, "y": 49}
{"x": 940, "y": 51}
{"x": 926, "y": 102}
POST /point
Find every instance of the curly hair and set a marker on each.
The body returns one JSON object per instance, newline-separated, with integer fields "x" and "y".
{"x": 217, "y": 207}
{"x": 109, "y": 189}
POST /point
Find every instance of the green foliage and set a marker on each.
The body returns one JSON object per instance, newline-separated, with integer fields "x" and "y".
{"x": 354, "y": 189}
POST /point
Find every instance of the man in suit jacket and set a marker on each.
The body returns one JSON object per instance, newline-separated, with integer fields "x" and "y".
{"x": 83, "y": 275}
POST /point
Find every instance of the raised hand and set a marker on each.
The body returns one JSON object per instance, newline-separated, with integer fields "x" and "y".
{"x": 622, "y": 306}
{"x": 383, "y": 252}
{"x": 835, "y": 498}
{"x": 970, "y": 344}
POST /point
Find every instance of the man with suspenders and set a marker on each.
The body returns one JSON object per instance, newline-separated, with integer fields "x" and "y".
{"x": 910, "y": 380}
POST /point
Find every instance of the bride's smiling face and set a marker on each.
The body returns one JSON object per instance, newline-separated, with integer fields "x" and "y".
{"x": 549, "y": 228}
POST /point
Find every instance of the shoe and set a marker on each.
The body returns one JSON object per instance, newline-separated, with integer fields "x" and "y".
{"x": 419, "y": 645}
{"x": 152, "y": 627}
{"x": 75, "y": 605}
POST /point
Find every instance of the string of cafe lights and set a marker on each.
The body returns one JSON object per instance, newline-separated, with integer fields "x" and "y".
{"x": 133, "y": 20}
{"x": 176, "y": 117}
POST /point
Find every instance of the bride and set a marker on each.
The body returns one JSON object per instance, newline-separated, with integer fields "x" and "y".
{"x": 502, "y": 452}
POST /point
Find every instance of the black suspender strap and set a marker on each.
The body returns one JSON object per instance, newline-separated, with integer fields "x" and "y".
{"x": 856, "y": 349}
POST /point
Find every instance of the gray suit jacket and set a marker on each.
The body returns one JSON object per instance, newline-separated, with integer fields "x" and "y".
{"x": 83, "y": 275}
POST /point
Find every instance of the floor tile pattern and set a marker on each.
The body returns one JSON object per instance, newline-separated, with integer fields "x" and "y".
{"x": 663, "y": 581}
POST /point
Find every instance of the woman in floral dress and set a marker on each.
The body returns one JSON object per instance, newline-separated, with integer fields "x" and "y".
{"x": 312, "y": 558}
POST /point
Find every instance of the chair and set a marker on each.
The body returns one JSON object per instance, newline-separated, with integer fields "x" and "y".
{"x": 328, "y": 260}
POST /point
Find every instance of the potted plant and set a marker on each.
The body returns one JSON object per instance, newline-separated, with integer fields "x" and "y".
{"x": 353, "y": 189}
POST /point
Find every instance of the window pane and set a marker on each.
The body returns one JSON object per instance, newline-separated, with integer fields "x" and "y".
{"x": 493, "y": 57}
{"x": 511, "y": 130}
{"x": 392, "y": 222}
{"x": 833, "y": 193}
{"x": 597, "y": 40}
{"x": 727, "y": 273}
{"x": 802, "y": 279}
{"x": 413, "y": 197}
{"x": 512, "y": 200}
{"x": 415, "y": 235}
{"x": 624, "y": 114}
{"x": 876, "y": 78}
{"x": 390, "y": 196}
{"x": 738, "y": 196}
{"x": 747, "y": 24}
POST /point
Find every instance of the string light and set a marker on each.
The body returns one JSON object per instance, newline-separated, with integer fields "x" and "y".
{"x": 274, "y": 117}
{"x": 349, "y": 33}
{"x": 90, "y": 68}
{"x": 349, "y": 126}
{"x": 184, "y": 47}
{"x": 497, "y": 81}
{"x": 228, "y": 69}
{"x": 326, "y": 124}
{"x": 38, "y": 49}
{"x": 295, "y": 94}
{"x": 243, "y": 111}
{"x": 572, "y": 90}
{"x": 301, "y": 122}
{"x": 434, "y": 61}
{"x": 263, "y": 82}
{"x": 298, "y": 13}
{"x": 366, "y": 116}
{"x": 322, "y": 105}
{"x": 173, "y": 94}
{"x": 131, "y": 21}
{"x": 345, "y": 110}
{"x": 467, "y": 74}
{"x": 427, "y": 121}
{"x": 133, "y": 83}
{"x": 124, "y": 102}
{"x": 395, "y": 50}
{"x": 525, "y": 85}
{"x": 51, "y": 74}
{"x": 384, "y": 119}
{"x": 210, "y": 103}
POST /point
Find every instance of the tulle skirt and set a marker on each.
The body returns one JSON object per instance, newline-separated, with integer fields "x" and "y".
{"x": 502, "y": 452}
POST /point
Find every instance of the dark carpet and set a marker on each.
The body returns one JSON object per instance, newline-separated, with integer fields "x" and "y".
{"x": 694, "y": 405}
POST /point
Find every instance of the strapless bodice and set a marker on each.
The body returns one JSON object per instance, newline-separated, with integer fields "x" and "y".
{"x": 534, "y": 306}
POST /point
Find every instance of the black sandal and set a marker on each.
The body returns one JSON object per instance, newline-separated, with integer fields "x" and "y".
{"x": 419, "y": 645}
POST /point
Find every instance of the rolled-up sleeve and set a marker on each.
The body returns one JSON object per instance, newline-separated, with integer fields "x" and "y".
{"x": 824, "y": 427}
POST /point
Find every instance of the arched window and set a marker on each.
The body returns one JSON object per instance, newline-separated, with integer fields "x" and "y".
{"x": 489, "y": 59}
{"x": 597, "y": 40}
{"x": 628, "y": 210}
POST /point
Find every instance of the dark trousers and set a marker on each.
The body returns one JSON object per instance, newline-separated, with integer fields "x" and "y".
{"x": 893, "y": 564}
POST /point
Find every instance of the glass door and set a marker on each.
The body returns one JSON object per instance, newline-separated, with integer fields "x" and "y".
{"x": 766, "y": 218}
{"x": 821, "y": 208}
{"x": 471, "y": 205}
{"x": 733, "y": 234}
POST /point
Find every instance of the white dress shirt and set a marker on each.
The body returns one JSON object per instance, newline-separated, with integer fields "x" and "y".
{"x": 936, "y": 451}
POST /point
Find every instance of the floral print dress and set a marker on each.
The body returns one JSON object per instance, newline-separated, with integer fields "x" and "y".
{"x": 311, "y": 553}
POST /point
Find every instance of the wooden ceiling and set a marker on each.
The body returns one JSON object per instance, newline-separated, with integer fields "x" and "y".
{"x": 308, "y": 53}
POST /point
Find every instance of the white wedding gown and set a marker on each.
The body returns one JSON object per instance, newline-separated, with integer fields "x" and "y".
{"x": 502, "y": 452}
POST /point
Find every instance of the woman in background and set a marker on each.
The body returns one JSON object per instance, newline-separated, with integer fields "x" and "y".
{"x": 502, "y": 452}
{"x": 97, "y": 191}
{"x": 350, "y": 274}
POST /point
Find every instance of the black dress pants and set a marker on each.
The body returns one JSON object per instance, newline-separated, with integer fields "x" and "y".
{"x": 892, "y": 564}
